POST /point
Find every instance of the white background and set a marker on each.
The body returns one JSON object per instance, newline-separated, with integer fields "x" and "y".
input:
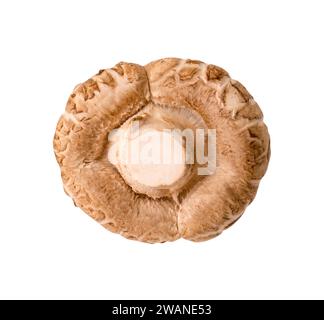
{"x": 50, "y": 249}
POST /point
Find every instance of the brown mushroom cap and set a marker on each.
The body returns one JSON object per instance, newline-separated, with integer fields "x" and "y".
{"x": 198, "y": 209}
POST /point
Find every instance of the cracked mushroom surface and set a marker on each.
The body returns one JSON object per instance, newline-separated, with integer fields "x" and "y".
{"x": 151, "y": 200}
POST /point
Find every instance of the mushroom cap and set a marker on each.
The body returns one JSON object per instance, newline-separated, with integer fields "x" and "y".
{"x": 206, "y": 206}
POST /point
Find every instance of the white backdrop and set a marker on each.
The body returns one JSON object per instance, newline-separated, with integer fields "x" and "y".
{"x": 50, "y": 249}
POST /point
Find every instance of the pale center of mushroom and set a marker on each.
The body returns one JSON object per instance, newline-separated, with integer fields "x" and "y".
{"x": 154, "y": 150}
{"x": 154, "y": 158}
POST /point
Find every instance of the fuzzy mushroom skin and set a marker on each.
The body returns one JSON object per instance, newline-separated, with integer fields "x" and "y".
{"x": 207, "y": 207}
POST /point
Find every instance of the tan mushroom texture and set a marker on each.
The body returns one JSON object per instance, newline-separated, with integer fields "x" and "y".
{"x": 177, "y": 93}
